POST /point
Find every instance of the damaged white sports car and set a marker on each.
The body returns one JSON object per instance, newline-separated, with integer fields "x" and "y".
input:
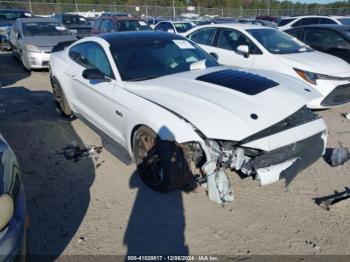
{"x": 184, "y": 118}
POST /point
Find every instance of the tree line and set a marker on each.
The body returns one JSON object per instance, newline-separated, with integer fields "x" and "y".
{"x": 246, "y": 4}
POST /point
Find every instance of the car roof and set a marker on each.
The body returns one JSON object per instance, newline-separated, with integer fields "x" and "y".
{"x": 120, "y": 18}
{"x": 237, "y": 26}
{"x": 16, "y": 10}
{"x": 341, "y": 28}
{"x": 312, "y": 16}
{"x": 118, "y": 37}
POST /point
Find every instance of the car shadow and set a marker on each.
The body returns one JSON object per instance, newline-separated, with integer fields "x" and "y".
{"x": 157, "y": 221}
{"x": 11, "y": 70}
{"x": 57, "y": 190}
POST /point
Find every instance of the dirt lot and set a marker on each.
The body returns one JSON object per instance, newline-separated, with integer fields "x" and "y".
{"x": 79, "y": 208}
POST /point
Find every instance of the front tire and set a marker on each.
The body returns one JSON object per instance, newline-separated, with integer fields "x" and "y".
{"x": 60, "y": 98}
{"x": 161, "y": 164}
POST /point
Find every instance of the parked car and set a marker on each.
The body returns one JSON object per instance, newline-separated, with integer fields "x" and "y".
{"x": 32, "y": 40}
{"x": 77, "y": 24}
{"x": 331, "y": 39}
{"x": 172, "y": 107}
{"x": 257, "y": 22}
{"x": 108, "y": 24}
{"x": 291, "y": 22}
{"x": 174, "y": 27}
{"x": 114, "y": 14}
{"x": 13, "y": 222}
{"x": 7, "y": 19}
{"x": 251, "y": 46}
{"x": 273, "y": 19}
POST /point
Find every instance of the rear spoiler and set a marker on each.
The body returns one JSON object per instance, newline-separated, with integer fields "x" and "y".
{"x": 62, "y": 45}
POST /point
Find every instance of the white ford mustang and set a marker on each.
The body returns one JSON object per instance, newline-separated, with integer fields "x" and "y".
{"x": 184, "y": 118}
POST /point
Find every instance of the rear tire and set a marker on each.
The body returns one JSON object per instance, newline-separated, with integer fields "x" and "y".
{"x": 161, "y": 164}
{"x": 60, "y": 98}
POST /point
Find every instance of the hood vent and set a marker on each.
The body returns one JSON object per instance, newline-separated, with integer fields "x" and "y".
{"x": 247, "y": 83}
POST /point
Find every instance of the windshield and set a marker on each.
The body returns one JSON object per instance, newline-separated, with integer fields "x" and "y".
{"x": 9, "y": 15}
{"x": 344, "y": 21}
{"x": 132, "y": 25}
{"x": 183, "y": 27}
{"x": 145, "y": 59}
{"x": 44, "y": 28}
{"x": 277, "y": 42}
{"x": 75, "y": 20}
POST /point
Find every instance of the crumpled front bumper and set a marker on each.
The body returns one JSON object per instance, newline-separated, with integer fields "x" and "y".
{"x": 286, "y": 162}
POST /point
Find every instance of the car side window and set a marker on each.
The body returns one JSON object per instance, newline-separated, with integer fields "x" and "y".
{"x": 204, "y": 36}
{"x": 91, "y": 55}
{"x": 307, "y": 21}
{"x": 97, "y": 23}
{"x": 107, "y": 25}
{"x": 324, "y": 38}
{"x": 297, "y": 33}
{"x": 327, "y": 21}
{"x": 231, "y": 39}
{"x": 159, "y": 27}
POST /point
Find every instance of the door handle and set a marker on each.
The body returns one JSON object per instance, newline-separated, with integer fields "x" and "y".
{"x": 72, "y": 76}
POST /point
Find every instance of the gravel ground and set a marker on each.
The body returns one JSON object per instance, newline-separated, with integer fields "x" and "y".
{"x": 99, "y": 206}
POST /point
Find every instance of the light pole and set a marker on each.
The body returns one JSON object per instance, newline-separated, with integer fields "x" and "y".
{"x": 174, "y": 12}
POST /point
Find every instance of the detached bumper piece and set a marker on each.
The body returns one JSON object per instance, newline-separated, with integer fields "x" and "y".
{"x": 299, "y": 155}
{"x": 340, "y": 95}
{"x": 327, "y": 201}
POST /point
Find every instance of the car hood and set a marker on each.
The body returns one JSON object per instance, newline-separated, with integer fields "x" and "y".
{"x": 316, "y": 62}
{"x": 220, "y": 112}
{"x": 48, "y": 41}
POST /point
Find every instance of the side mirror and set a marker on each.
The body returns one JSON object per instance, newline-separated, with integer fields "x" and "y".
{"x": 244, "y": 50}
{"x": 215, "y": 55}
{"x": 95, "y": 74}
{"x": 171, "y": 31}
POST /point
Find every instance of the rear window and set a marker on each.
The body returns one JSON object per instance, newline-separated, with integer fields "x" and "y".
{"x": 285, "y": 21}
{"x": 344, "y": 21}
{"x": 132, "y": 25}
{"x": 75, "y": 20}
{"x": 183, "y": 27}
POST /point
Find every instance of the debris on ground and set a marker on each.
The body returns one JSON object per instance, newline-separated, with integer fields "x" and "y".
{"x": 346, "y": 115}
{"x": 337, "y": 156}
{"x": 312, "y": 244}
{"x": 81, "y": 240}
{"x": 73, "y": 151}
{"x": 328, "y": 201}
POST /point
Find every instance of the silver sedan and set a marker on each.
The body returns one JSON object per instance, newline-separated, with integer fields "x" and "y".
{"x": 32, "y": 40}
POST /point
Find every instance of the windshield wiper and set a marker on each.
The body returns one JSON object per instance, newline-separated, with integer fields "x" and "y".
{"x": 144, "y": 78}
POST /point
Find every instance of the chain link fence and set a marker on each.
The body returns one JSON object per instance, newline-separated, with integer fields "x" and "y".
{"x": 40, "y": 8}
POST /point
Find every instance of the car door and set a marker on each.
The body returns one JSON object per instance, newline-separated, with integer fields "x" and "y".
{"x": 226, "y": 48}
{"x": 328, "y": 41}
{"x": 15, "y": 38}
{"x": 94, "y": 98}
